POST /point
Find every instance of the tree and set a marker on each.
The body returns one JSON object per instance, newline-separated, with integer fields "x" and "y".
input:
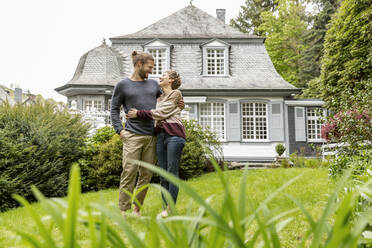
{"x": 284, "y": 30}
{"x": 249, "y": 17}
{"x": 310, "y": 63}
{"x": 346, "y": 81}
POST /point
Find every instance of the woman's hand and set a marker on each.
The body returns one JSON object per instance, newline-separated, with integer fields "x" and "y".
{"x": 131, "y": 114}
{"x": 181, "y": 104}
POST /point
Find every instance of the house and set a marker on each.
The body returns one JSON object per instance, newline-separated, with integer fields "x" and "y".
{"x": 5, "y": 95}
{"x": 228, "y": 81}
{"x": 16, "y": 96}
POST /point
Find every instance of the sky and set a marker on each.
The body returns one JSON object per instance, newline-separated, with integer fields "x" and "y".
{"x": 41, "y": 41}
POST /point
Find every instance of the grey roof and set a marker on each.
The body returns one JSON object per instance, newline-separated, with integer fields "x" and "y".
{"x": 102, "y": 65}
{"x": 189, "y": 22}
{"x": 261, "y": 81}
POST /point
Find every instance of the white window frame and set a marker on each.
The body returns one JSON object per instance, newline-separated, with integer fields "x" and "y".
{"x": 94, "y": 103}
{"x": 93, "y": 99}
{"x": 224, "y": 138}
{"x": 254, "y": 122}
{"x": 159, "y": 45}
{"x": 317, "y": 121}
{"x": 215, "y": 45}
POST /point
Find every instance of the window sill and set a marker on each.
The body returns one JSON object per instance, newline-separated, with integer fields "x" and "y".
{"x": 255, "y": 141}
{"x": 315, "y": 141}
{"x": 215, "y": 76}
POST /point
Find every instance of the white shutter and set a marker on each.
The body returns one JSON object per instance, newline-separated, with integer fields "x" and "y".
{"x": 276, "y": 121}
{"x": 300, "y": 129}
{"x": 193, "y": 112}
{"x": 233, "y": 121}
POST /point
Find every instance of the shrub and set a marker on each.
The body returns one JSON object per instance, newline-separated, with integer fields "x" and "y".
{"x": 107, "y": 164}
{"x": 302, "y": 162}
{"x": 38, "y": 145}
{"x": 102, "y": 164}
{"x": 194, "y": 160}
{"x": 102, "y": 135}
{"x": 352, "y": 127}
{"x": 284, "y": 163}
{"x": 358, "y": 162}
{"x": 298, "y": 161}
{"x": 280, "y": 149}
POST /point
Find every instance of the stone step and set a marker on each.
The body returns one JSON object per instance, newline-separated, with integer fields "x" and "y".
{"x": 251, "y": 165}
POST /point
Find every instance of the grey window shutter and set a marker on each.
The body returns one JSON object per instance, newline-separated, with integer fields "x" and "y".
{"x": 276, "y": 121}
{"x": 233, "y": 121}
{"x": 193, "y": 112}
{"x": 300, "y": 131}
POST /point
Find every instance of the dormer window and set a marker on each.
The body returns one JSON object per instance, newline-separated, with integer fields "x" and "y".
{"x": 160, "y": 50}
{"x": 215, "y": 58}
{"x": 160, "y": 60}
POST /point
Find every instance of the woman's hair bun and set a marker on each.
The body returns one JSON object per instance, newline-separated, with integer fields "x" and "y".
{"x": 134, "y": 53}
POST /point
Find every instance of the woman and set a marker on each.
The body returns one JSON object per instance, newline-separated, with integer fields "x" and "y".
{"x": 169, "y": 129}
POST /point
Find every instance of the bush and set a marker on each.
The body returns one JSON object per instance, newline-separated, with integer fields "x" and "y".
{"x": 302, "y": 162}
{"x": 298, "y": 161}
{"x": 199, "y": 143}
{"x": 284, "y": 163}
{"x": 38, "y": 145}
{"x": 107, "y": 164}
{"x": 102, "y": 165}
{"x": 102, "y": 135}
{"x": 358, "y": 162}
{"x": 280, "y": 149}
{"x": 352, "y": 127}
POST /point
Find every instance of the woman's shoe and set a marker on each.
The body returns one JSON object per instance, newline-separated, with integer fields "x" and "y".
{"x": 164, "y": 213}
{"x": 136, "y": 211}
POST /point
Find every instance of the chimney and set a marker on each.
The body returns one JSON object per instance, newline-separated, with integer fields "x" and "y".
{"x": 18, "y": 95}
{"x": 220, "y": 13}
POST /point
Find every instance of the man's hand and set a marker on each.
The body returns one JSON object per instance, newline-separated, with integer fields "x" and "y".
{"x": 181, "y": 104}
{"x": 122, "y": 133}
{"x": 131, "y": 114}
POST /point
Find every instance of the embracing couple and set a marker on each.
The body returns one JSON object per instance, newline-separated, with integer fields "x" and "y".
{"x": 153, "y": 127}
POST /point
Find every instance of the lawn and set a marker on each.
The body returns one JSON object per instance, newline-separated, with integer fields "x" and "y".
{"x": 311, "y": 190}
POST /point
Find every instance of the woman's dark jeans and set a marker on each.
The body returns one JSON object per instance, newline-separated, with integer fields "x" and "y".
{"x": 169, "y": 150}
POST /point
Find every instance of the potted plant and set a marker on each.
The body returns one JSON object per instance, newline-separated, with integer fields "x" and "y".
{"x": 279, "y": 160}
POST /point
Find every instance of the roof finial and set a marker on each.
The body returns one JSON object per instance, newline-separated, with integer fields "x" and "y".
{"x": 104, "y": 41}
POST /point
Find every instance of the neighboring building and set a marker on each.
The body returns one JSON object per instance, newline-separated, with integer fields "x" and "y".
{"x": 5, "y": 96}
{"x": 16, "y": 96}
{"x": 228, "y": 81}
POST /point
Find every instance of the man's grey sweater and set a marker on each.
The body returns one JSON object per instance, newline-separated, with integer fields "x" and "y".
{"x": 140, "y": 95}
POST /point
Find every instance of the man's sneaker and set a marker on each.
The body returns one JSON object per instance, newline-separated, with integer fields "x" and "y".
{"x": 124, "y": 213}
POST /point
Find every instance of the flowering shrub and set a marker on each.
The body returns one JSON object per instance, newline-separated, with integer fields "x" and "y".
{"x": 350, "y": 126}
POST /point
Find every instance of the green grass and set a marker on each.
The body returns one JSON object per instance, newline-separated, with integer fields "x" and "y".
{"x": 311, "y": 190}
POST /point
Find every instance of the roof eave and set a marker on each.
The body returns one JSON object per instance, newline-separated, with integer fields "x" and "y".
{"x": 241, "y": 92}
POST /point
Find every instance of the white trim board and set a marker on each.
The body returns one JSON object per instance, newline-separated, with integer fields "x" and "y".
{"x": 304, "y": 103}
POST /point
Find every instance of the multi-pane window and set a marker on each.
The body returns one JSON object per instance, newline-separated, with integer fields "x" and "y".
{"x": 160, "y": 61}
{"x": 254, "y": 121}
{"x": 313, "y": 123}
{"x": 215, "y": 62}
{"x": 96, "y": 104}
{"x": 212, "y": 115}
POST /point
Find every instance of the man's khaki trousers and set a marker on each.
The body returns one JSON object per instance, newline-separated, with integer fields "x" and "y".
{"x": 136, "y": 147}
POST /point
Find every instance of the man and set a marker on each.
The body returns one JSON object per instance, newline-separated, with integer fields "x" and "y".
{"x": 138, "y": 139}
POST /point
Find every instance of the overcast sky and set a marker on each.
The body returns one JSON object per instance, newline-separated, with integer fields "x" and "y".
{"x": 42, "y": 40}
